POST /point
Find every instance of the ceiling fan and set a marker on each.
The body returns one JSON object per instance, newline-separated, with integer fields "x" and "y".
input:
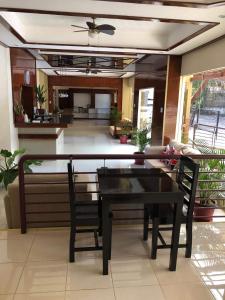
{"x": 93, "y": 29}
{"x": 89, "y": 71}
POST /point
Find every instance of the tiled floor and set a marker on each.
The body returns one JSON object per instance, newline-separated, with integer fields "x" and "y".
{"x": 35, "y": 266}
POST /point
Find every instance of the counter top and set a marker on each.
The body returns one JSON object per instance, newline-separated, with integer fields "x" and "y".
{"x": 41, "y": 125}
{"x": 49, "y": 122}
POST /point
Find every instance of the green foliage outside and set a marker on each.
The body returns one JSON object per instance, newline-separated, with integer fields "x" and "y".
{"x": 211, "y": 176}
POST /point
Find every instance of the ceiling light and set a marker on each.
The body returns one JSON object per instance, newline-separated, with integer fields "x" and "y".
{"x": 92, "y": 33}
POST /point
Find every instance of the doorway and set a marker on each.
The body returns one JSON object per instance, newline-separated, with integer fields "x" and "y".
{"x": 145, "y": 108}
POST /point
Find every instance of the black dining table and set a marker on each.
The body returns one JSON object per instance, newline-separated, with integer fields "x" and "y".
{"x": 136, "y": 185}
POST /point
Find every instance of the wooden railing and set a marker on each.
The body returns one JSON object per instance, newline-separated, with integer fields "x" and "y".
{"x": 103, "y": 159}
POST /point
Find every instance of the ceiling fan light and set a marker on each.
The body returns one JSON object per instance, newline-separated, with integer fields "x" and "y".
{"x": 92, "y": 33}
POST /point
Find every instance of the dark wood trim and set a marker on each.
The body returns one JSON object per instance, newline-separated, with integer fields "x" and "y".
{"x": 37, "y": 136}
{"x": 85, "y": 51}
{"x": 31, "y": 136}
{"x": 208, "y": 26}
{"x": 3, "y": 44}
{"x": 12, "y": 30}
{"x": 172, "y": 3}
{"x": 193, "y": 35}
{"x": 40, "y": 125}
{"x": 206, "y": 44}
{"x": 102, "y": 16}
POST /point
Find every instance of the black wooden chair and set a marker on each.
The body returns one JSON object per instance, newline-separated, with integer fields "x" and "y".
{"x": 83, "y": 212}
{"x": 187, "y": 177}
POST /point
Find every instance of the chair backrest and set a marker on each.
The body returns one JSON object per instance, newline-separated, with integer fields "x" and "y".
{"x": 187, "y": 179}
{"x": 72, "y": 194}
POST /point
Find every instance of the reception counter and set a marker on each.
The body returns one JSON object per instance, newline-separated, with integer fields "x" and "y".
{"x": 41, "y": 138}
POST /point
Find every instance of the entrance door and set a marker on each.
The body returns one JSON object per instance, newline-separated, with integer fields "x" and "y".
{"x": 145, "y": 108}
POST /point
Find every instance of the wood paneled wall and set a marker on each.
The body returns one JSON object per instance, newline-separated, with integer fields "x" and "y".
{"x": 172, "y": 97}
{"x": 21, "y": 61}
{"x": 153, "y": 78}
{"x": 85, "y": 82}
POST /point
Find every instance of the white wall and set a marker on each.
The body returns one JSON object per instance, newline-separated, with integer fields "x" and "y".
{"x": 206, "y": 58}
{"x": 8, "y": 133}
{"x": 81, "y": 99}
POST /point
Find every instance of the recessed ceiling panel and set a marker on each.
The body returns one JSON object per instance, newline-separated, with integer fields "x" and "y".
{"x": 56, "y": 29}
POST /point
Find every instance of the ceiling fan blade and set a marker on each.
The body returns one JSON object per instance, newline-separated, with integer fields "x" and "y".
{"x": 105, "y": 27}
{"x": 91, "y": 25}
{"x": 109, "y": 32}
{"x": 81, "y": 30}
{"x": 82, "y": 27}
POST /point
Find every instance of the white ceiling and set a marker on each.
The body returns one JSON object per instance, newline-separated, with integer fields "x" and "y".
{"x": 45, "y": 31}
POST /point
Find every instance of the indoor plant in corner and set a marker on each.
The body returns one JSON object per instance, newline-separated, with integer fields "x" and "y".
{"x": 141, "y": 139}
{"x": 40, "y": 97}
{"x": 115, "y": 116}
{"x": 126, "y": 128}
{"x": 19, "y": 112}
{"x": 9, "y": 166}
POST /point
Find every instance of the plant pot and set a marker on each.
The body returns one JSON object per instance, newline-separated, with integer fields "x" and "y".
{"x": 41, "y": 111}
{"x": 123, "y": 139}
{"x": 20, "y": 119}
{"x": 203, "y": 213}
{"x": 139, "y": 161}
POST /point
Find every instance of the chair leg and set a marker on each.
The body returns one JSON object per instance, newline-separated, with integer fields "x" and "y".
{"x": 100, "y": 216}
{"x": 188, "y": 239}
{"x": 146, "y": 224}
{"x": 110, "y": 238}
{"x": 155, "y": 230}
{"x": 72, "y": 243}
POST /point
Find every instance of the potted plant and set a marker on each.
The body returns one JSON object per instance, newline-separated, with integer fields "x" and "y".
{"x": 40, "y": 97}
{"x": 9, "y": 166}
{"x": 19, "y": 112}
{"x": 115, "y": 116}
{"x": 210, "y": 182}
{"x": 141, "y": 139}
{"x": 126, "y": 128}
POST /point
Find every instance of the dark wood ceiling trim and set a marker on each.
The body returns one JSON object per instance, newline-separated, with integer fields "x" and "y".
{"x": 206, "y": 44}
{"x": 208, "y": 26}
{"x": 190, "y": 37}
{"x": 88, "y": 52}
{"x": 3, "y": 44}
{"x": 172, "y": 3}
{"x": 105, "y": 16}
{"x": 11, "y": 29}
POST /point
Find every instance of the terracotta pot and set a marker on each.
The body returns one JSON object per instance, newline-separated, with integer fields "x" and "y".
{"x": 203, "y": 213}
{"x": 123, "y": 139}
{"x": 20, "y": 119}
{"x": 139, "y": 161}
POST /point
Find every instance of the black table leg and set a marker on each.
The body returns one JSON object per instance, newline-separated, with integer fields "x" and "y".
{"x": 105, "y": 235}
{"x": 175, "y": 233}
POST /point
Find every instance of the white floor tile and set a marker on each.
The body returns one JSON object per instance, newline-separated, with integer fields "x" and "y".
{"x": 132, "y": 272}
{"x": 87, "y": 274}
{"x": 138, "y": 293}
{"x": 43, "y": 277}
{"x": 186, "y": 291}
{"x": 100, "y": 294}
{"x": 9, "y": 277}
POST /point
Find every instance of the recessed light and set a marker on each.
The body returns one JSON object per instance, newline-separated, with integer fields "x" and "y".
{"x": 222, "y": 16}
